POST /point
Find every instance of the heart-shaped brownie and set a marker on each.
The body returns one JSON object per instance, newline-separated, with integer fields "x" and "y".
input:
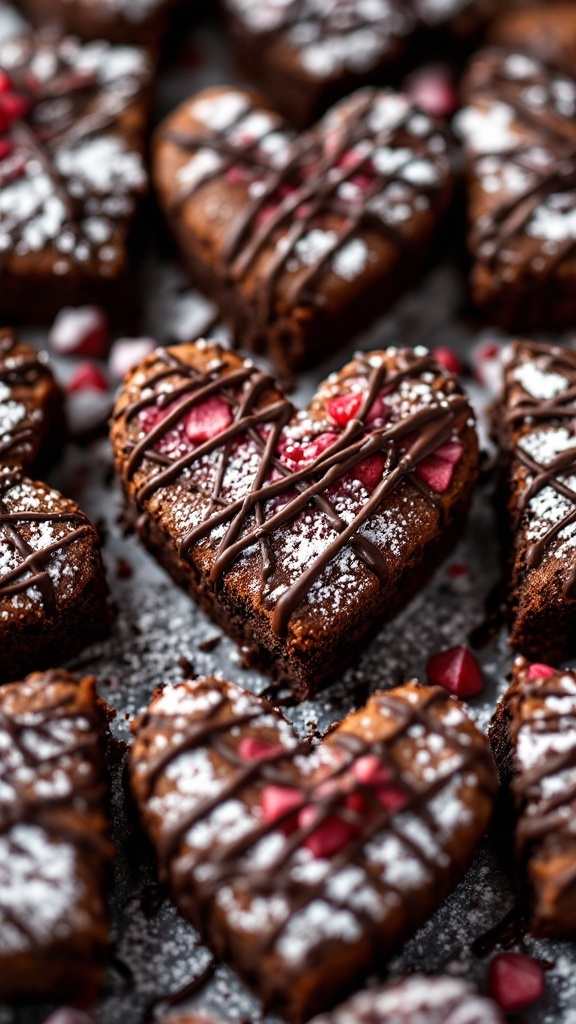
{"x": 53, "y": 595}
{"x": 305, "y": 54}
{"x": 297, "y": 531}
{"x": 54, "y": 848}
{"x": 72, "y": 123}
{"x": 302, "y": 240}
{"x": 31, "y": 405}
{"x": 306, "y": 866}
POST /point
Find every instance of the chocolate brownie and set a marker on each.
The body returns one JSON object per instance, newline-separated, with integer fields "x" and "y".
{"x": 141, "y": 22}
{"x": 31, "y": 405}
{"x": 535, "y": 430}
{"x": 546, "y": 30}
{"x": 519, "y": 132}
{"x": 305, "y": 55}
{"x": 297, "y": 531}
{"x": 302, "y": 240}
{"x": 53, "y": 597}
{"x": 417, "y": 1000}
{"x": 533, "y": 735}
{"x": 72, "y": 126}
{"x": 53, "y": 837}
{"x": 306, "y": 866}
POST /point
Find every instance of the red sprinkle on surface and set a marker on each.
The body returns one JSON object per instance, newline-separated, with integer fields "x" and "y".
{"x": 448, "y": 359}
{"x": 278, "y": 801}
{"x": 207, "y": 420}
{"x": 87, "y": 377}
{"x": 251, "y": 748}
{"x": 515, "y": 981}
{"x": 457, "y": 671}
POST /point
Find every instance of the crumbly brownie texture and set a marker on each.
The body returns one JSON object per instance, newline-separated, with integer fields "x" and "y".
{"x": 546, "y": 30}
{"x": 305, "y": 866}
{"x": 53, "y": 837}
{"x": 296, "y": 531}
{"x": 305, "y": 54}
{"x": 31, "y": 405}
{"x": 519, "y": 132}
{"x": 141, "y": 22}
{"x": 71, "y": 172}
{"x": 533, "y": 735}
{"x": 417, "y": 1000}
{"x": 535, "y": 428}
{"x": 301, "y": 240}
{"x": 53, "y": 597}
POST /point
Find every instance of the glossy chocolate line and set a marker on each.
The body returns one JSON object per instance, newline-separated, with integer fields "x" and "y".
{"x": 229, "y": 861}
{"x": 433, "y": 425}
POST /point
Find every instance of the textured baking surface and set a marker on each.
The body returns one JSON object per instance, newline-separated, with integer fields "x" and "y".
{"x": 157, "y": 625}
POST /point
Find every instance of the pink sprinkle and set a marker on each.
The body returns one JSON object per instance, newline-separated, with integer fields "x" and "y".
{"x": 457, "y": 671}
{"x": 433, "y": 89}
{"x": 515, "y": 981}
{"x": 537, "y": 671}
{"x": 253, "y": 749}
{"x": 80, "y": 331}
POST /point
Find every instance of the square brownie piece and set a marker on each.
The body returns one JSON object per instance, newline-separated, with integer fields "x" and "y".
{"x": 72, "y": 129}
{"x": 533, "y": 736}
{"x": 534, "y": 426}
{"x": 54, "y": 846}
{"x": 519, "y": 133}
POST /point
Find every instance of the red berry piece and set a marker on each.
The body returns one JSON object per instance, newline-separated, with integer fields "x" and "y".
{"x": 87, "y": 377}
{"x": 369, "y": 472}
{"x": 279, "y": 801}
{"x": 253, "y": 749}
{"x": 81, "y": 331}
{"x": 207, "y": 420}
{"x": 5, "y": 83}
{"x": 515, "y": 981}
{"x": 343, "y": 408}
{"x": 12, "y": 105}
{"x": 330, "y": 835}
{"x": 126, "y": 353}
{"x": 438, "y": 469}
{"x": 370, "y": 771}
{"x": 537, "y": 671}
{"x": 448, "y": 359}
{"x": 433, "y": 88}
{"x": 304, "y": 454}
{"x": 457, "y": 671}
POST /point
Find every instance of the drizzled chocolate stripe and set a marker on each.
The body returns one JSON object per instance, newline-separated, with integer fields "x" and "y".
{"x": 32, "y": 570}
{"x": 311, "y": 179}
{"x": 404, "y": 444}
{"x": 547, "y": 127}
{"x": 229, "y": 862}
{"x": 559, "y": 410}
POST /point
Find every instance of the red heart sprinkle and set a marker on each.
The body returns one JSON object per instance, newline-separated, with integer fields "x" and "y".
{"x": 515, "y": 981}
{"x": 457, "y": 671}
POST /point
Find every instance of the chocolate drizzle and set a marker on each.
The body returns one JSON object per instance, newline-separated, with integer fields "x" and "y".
{"x": 545, "y": 128}
{"x": 523, "y": 415}
{"x": 50, "y": 728}
{"x": 261, "y": 414}
{"x": 302, "y": 190}
{"x": 215, "y": 730}
{"x": 32, "y": 570}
